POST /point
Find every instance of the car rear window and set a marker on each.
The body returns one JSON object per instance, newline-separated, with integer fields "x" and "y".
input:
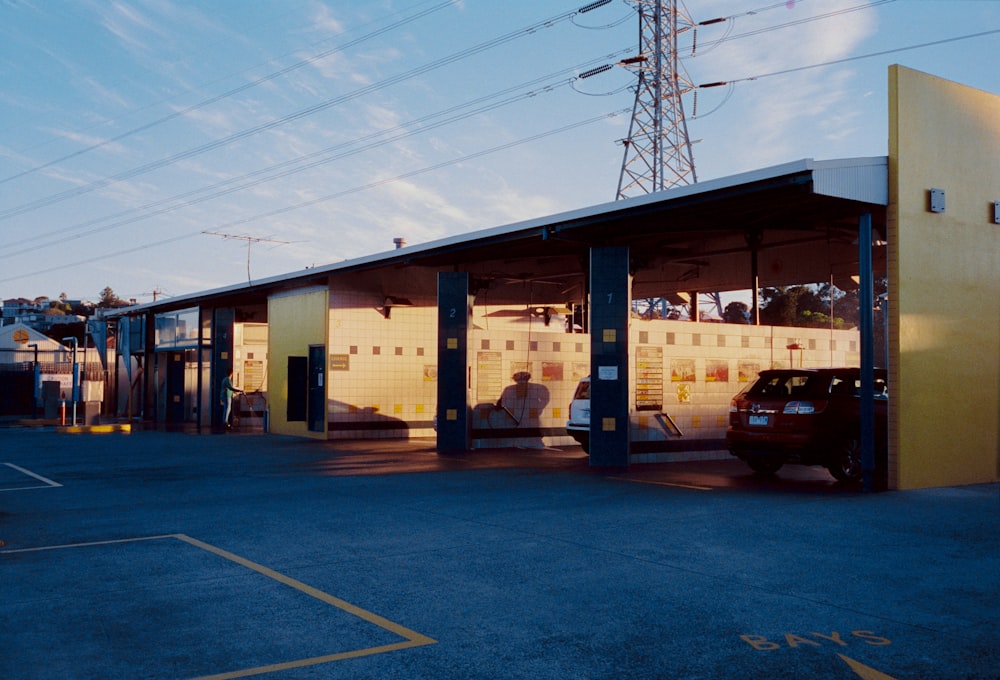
{"x": 777, "y": 385}
{"x": 582, "y": 390}
{"x": 815, "y": 385}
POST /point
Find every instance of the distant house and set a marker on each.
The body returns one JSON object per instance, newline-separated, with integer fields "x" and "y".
{"x": 38, "y": 313}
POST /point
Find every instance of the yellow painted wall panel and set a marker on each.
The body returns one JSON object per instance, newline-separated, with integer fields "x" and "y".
{"x": 944, "y": 280}
{"x": 295, "y": 321}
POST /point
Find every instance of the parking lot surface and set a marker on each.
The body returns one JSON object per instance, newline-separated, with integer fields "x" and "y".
{"x": 173, "y": 555}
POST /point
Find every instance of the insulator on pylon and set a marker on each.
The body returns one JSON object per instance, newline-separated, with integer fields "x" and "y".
{"x": 595, "y": 71}
{"x": 593, "y": 6}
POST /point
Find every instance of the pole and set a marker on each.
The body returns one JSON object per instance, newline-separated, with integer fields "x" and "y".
{"x": 36, "y": 386}
{"x": 76, "y": 379}
{"x": 866, "y": 324}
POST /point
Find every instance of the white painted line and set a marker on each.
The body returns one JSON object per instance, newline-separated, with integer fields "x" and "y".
{"x": 48, "y": 482}
{"x": 87, "y": 545}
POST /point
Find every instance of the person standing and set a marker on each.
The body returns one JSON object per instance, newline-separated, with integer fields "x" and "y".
{"x": 228, "y": 389}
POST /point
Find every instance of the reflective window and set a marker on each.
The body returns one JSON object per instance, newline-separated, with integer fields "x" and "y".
{"x": 177, "y": 330}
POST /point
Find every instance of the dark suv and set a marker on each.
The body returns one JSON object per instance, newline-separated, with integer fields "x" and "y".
{"x": 806, "y": 416}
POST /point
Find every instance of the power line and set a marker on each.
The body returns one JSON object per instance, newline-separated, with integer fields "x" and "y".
{"x": 849, "y": 59}
{"x": 229, "y": 93}
{"x": 277, "y": 122}
{"x": 329, "y": 197}
{"x": 438, "y": 166}
{"x": 315, "y": 159}
{"x": 797, "y": 22}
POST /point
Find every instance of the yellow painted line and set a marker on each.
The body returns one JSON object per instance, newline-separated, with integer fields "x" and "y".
{"x": 94, "y": 429}
{"x": 314, "y": 661}
{"x": 312, "y": 592}
{"x": 678, "y": 486}
{"x": 411, "y": 638}
{"x": 863, "y": 671}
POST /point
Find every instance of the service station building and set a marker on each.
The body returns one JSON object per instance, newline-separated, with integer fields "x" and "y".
{"x": 424, "y": 340}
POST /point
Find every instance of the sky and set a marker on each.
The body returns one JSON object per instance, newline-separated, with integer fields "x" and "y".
{"x": 166, "y": 147}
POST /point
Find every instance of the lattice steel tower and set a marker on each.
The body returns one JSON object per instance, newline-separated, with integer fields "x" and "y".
{"x": 657, "y": 150}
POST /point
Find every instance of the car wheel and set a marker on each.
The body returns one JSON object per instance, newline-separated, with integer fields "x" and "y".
{"x": 585, "y": 445}
{"x": 846, "y": 463}
{"x": 764, "y": 465}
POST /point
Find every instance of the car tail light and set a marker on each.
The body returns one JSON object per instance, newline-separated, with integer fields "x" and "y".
{"x": 732, "y": 407}
{"x": 799, "y": 407}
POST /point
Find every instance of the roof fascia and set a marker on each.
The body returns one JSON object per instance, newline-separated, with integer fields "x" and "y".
{"x": 858, "y": 179}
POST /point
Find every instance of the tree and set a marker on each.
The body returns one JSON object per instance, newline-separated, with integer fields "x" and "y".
{"x": 109, "y": 300}
{"x": 736, "y": 312}
{"x": 802, "y": 306}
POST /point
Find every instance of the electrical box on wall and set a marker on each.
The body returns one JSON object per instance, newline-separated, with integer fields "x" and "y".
{"x": 937, "y": 200}
{"x": 996, "y": 212}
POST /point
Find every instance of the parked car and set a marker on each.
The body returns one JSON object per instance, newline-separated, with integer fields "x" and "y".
{"x": 578, "y": 425}
{"x": 807, "y": 417}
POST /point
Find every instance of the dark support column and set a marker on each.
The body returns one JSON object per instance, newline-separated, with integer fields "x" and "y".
{"x": 610, "y": 302}
{"x": 149, "y": 369}
{"x": 223, "y": 323}
{"x": 453, "y": 425}
{"x": 753, "y": 240}
{"x": 866, "y": 327}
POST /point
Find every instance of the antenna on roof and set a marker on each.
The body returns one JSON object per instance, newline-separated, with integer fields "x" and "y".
{"x": 250, "y": 241}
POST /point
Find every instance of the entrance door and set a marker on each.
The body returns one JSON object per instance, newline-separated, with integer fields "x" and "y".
{"x": 317, "y": 388}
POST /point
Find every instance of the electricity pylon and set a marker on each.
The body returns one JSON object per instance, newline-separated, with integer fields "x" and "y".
{"x": 657, "y": 150}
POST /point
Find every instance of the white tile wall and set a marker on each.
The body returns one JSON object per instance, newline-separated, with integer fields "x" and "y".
{"x": 392, "y": 375}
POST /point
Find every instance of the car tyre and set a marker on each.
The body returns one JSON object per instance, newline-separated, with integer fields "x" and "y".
{"x": 846, "y": 463}
{"x": 764, "y": 465}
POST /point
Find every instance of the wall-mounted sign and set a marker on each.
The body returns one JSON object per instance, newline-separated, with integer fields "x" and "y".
{"x": 648, "y": 378}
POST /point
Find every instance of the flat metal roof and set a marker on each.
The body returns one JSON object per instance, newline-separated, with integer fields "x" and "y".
{"x": 689, "y": 237}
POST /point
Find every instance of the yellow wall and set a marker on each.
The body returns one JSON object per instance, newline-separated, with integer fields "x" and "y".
{"x": 295, "y": 321}
{"x": 944, "y": 282}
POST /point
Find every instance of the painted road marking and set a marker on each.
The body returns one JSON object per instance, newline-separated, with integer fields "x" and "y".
{"x": 88, "y": 544}
{"x": 48, "y": 483}
{"x": 676, "y": 486}
{"x": 864, "y": 671}
{"x": 94, "y": 429}
{"x": 411, "y": 638}
{"x": 764, "y": 644}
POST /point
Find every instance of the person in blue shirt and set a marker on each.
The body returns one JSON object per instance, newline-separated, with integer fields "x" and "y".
{"x": 228, "y": 389}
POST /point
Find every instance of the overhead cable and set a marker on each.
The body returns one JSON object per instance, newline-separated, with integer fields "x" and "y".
{"x": 302, "y": 113}
{"x": 305, "y": 162}
{"x": 848, "y": 59}
{"x": 321, "y": 199}
{"x": 229, "y": 93}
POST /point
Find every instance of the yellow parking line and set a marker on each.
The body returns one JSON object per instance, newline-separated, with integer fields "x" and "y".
{"x": 678, "y": 486}
{"x": 411, "y": 638}
{"x": 375, "y": 619}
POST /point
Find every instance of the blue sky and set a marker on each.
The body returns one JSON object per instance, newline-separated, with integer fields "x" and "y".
{"x": 326, "y": 129}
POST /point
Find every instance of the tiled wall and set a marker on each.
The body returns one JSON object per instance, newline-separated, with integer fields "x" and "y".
{"x": 694, "y": 369}
{"x": 555, "y": 360}
{"x": 381, "y": 372}
{"x": 383, "y": 379}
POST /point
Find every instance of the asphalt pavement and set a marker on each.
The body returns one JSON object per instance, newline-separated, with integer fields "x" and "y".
{"x": 175, "y": 555}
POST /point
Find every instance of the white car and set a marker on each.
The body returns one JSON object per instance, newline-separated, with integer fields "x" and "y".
{"x": 578, "y": 425}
